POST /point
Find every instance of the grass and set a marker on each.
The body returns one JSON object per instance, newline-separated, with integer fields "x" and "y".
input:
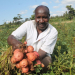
{"x": 65, "y": 46}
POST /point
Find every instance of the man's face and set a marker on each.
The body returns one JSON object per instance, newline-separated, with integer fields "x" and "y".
{"x": 42, "y": 19}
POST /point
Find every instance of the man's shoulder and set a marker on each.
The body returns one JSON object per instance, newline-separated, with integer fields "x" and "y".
{"x": 52, "y": 28}
{"x": 30, "y": 21}
{"x": 29, "y": 24}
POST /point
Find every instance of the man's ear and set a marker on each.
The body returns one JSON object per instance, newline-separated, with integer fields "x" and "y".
{"x": 49, "y": 16}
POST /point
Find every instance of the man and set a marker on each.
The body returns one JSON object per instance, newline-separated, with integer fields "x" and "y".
{"x": 40, "y": 34}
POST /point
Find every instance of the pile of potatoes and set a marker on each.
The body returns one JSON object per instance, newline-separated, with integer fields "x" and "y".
{"x": 25, "y": 57}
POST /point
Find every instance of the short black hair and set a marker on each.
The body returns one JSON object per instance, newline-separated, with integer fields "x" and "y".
{"x": 42, "y": 6}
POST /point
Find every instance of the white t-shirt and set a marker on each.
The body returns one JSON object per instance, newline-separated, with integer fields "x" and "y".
{"x": 46, "y": 40}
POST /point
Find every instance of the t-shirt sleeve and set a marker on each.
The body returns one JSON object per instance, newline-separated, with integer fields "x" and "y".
{"x": 50, "y": 42}
{"x": 20, "y": 31}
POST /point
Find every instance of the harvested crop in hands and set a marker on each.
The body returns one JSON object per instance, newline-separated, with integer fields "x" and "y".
{"x": 18, "y": 65}
{"x": 25, "y": 69}
{"x": 36, "y": 53}
{"x": 30, "y": 49}
{"x": 24, "y": 63}
{"x": 13, "y": 60}
{"x": 18, "y": 56}
{"x": 26, "y": 58}
{"x": 17, "y": 50}
{"x": 31, "y": 56}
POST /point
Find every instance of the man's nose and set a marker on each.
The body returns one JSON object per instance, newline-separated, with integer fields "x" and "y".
{"x": 41, "y": 20}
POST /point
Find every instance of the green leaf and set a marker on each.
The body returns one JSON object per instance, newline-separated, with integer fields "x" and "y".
{"x": 37, "y": 70}
{"x": 18, "y": 73}
{"x": 0, "y": 67}
{"x": 39, "y": 65}
{"x": 67, "y": 73}
{"x": 63, "y": 73}
{"x": 31, "y": 74}
{"x": 52, "y": 73}
{"x": 40, "y": 68}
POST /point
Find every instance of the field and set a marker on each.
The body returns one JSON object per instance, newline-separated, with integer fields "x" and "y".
{"x": 63, "y": 57}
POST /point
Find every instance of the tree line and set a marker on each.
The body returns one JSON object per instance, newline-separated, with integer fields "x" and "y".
{"x": 68, "y": 15}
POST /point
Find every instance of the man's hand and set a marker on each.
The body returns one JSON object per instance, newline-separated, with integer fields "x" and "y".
{"x": 13, "y": 42}
{"x": 42, "y": 54}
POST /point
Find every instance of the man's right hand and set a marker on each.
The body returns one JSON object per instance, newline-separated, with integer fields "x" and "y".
{"x": 13, "y": 42}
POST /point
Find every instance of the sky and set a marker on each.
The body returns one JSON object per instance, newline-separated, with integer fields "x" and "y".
{"x": 11, "y": 8}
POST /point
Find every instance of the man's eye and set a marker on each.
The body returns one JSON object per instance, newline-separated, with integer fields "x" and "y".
{"x": 45, "y": 17}
{"x": 38, "y": 17}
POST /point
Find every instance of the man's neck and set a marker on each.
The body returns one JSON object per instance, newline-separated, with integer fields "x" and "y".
{"x": 38, "y": 32}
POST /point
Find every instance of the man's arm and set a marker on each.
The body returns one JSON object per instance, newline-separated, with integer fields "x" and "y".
{"x": 13, "y": 42}
{"x": 42, "y": 54}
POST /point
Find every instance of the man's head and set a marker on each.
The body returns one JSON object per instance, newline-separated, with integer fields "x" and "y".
{"x": 42, "y": 17}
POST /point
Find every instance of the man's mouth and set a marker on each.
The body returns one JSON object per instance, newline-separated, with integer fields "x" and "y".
{"x": 41, "y": 25}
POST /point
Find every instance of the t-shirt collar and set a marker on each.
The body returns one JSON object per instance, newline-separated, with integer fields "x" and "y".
{"x": 41, "y": 35}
